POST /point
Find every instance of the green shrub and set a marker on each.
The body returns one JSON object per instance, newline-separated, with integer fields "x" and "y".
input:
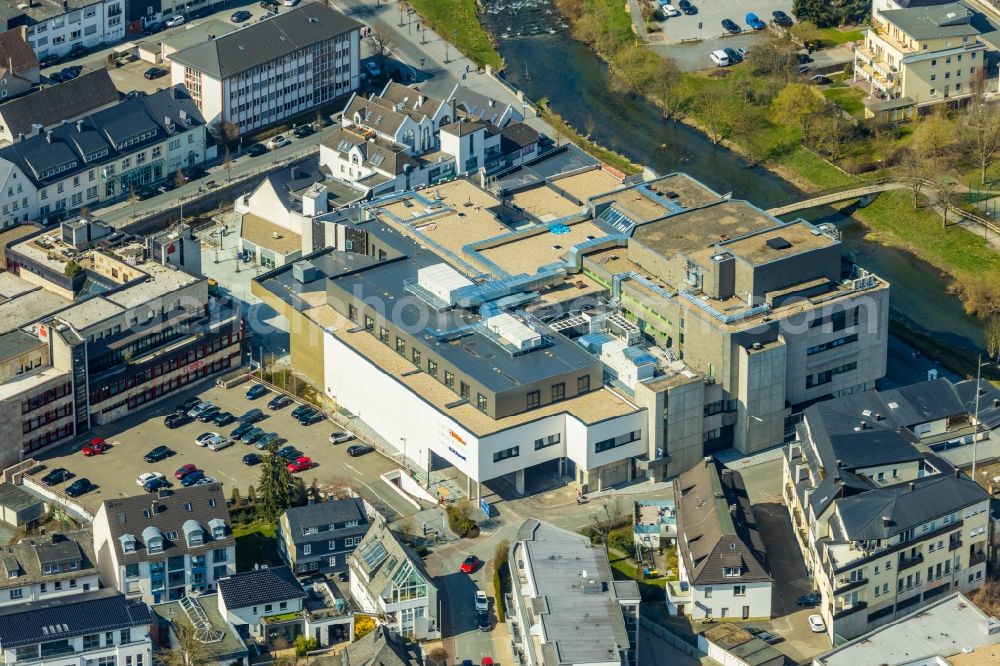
{"x": 621, "y": 539}
{"x": 304, "y": 645}
{"x": 498, "y": 595}
{"x": 460, "y": 520}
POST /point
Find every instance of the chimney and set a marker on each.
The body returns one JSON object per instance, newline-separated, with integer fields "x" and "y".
{"x": 708, "y": 460}
{"x": 166, "y": 121}
{"x": 20, "y": 136}
{"x": 958, "y": 472}
{"x": 65, "y": 4}
{"x": 493, "y": 102}
{"x": 36, "y": 129}
{"x": 912, "y": 486}
{"x": 732, "y": 509}
{"x": 878, "y": 416}
{"x": 840, "y": 463}
{"x": 996, "y": 402}
{"x": 862, "y": 425}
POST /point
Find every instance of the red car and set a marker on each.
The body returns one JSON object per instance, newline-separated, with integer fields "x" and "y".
{"x": 300, "y": 464}
{"x": 184, "y": 471}
{"x": 95, "y": 447}
{"x": 469, "y": 565}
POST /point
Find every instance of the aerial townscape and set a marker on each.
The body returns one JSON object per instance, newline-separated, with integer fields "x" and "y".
{"x": 499, "y": 333}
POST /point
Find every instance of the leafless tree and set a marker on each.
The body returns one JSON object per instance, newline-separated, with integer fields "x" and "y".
{"x": 382, "y": 42}
{"x": 185, "y": 649}
{"x": 992, "y": 335}
{"x": 983, "y": 136}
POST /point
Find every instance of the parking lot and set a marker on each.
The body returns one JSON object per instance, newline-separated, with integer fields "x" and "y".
{"x": 115, "y": 472}
{"x": 707, "y": 22}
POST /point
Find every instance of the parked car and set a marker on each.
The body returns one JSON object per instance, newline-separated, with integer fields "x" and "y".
{"x": 268, "y": 438}
{"x": 290, "y": 3}
{"x": 174, "y": 21}
{"x": 256, "y": 150}
{"x": 300, "y": 410}
{"x": 300, "y": 464}
{"x": 177, "y": 420}
{"x": 154, "y": 73}
{"x": 145, "y": 192}
{"x": 754, "y": 21}
{"x": 256, "y": 391}
{"x": 192, "y": 478}
{"x": 289, "y": 452}
{"x": 302, "y": 131}
{"x": 765, "y": 636}
{"x": 145, "y": 477}
{"x": 77, "y": 51}
{"x": 482, "y": 602}
{"x": 223, "y": 418}
{"x": 57, "y": 476}
{"x": 781, "y": 18}
{"x": 277, "y": 142}
{"x": 279, "y": 401}
{"x": 204, "y": 438}
{"x": 193, "y": 172}
{"x": 199, "y": 409}
{"x": 470, "y": 564}
{"x": 816, "y": 624}
{"x": 310, "y": 417}
{"x": 483, "y": 621}
{"x": 158, "y": 454}
{"x": 156, "y": 485}
{"x": 686, "y": 7}
{"x": 188, "y": 405}
{"x": 733, "y": 55}
{"x": 71, "y": 72}
{"x": 730, "y": 26}
{"x": 95, "y": 447}
{"x": 184, "y": 470}
{"x": 269, "y": 5}
{"x": 359, "y": 450}
{"x": 209, "y": 414}
{"x": 241, "y": 16}
{"x": 241, "y": 430}
{"x": 340, "y": 437}
{"x": 252, "y": 435}
{"x": 252, "y": 459}
{"x": 201, "y": 13}
{"x": 153, "y": 28}
{"x": 669, "y": 10}
{"x": 252, "y": 416}
{"x": 220, "y": 443}
{"x": 809, "y": 599}
{"x": 720, "y": 58}
{"x": 205, "y": 480}
{"x": 744, "y": 52}
{"x": 79, "y": 487}
{"x": 372, "y": 69}
{"x": 57, "y": 77}
{"x": 49, "y": 61}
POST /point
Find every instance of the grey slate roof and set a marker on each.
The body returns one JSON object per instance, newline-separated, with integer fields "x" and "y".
{"x": 413, "y": 102}
{"x": 928, "y": 22}
{"x": 477, "y": 105}
{"x": 519, "y": 135}
{"x": 266, "y": 585}
{"x": 382, "y": 569}
{"x": 29, "y": 555}
{"x": 127, "y": 516}
{"x": 66, "y": 617}
{"x": 923, "y": 402}
{"x": 322, "y": 514}
{"x": 65, "y": 101}
{"x": 463, "y": 127}
{"x": 378, "y": 153}
{"x": 989, "y": 401}
{"x": 382, "y": 647}
{"x": 260, "y": 43}
{"x": 931, "y": 497}
{"x": 716, "y": 536}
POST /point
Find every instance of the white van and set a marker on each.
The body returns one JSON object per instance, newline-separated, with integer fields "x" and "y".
{"x": 719, "y": 58}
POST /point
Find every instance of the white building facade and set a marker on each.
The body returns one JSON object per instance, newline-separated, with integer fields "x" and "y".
{"x": 89, "y": 24}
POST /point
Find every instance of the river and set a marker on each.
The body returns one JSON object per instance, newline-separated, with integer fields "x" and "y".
{"x": 544, "y": 61}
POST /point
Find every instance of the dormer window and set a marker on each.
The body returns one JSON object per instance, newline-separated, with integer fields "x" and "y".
{"x": 155, "y": 545}
{"x": 128, "y": 543}
{"x": 351, "y": 523}
{"x": 309, "y": 530}
{"x": 218, "y": 527}
{"x": 730, "y": 572}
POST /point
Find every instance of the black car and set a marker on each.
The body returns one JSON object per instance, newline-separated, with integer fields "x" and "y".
{"x": 483, "y": 621}
{"x": 730, "y": 26}
{"x": 79, "y": 487}
{"x": 158, "y": 454}
{"x": 154, "y": 73}
{"x": 269, "y": 5}
{"x": 240, "y": 430}
{"x": 223, "y": 418}
{"x": 187, "y": 405}
{"x": 200, "y": 13}
{"x": 734, "y": 57}
{"x": 57, "y": 77}
{"x": 153, "y": 28}
{"x": 146, "y": 192}
{"x": 809, "y": 599}
{"x": 300, "y": 410}
{"x": 71, "y": 72}
{"x": 77, "y": 51}
{"x": 252, "y": 459}
{"x": 309, "y": 417}
{"x": 289, "y": 453}
{"x": 193, "y": 172}
{"x": 156, "y": 485}
{"x": 252, "y": 416}
{"x": 359, "y": 450}
{"x": 279, "y": 401}
{"x": 781, "y": 18}
{"x": 177, "y": 420}
{"x": 208, "y": 414}
{"x": 302, "y": 131}
{"x": 257, "y": 150}
{"x": 241, "y": 16}
{"x": 58, "y": 475}
{"x": 686, "y": 7}
{"x": 803, "y": 58}
{"x": 49, "y": 61}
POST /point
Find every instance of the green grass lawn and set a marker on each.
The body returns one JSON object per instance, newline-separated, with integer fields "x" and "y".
{"x": 835, "y": 36}
{"x": 256, "y": 544}
{"x": 848, "y": 98}
{"x": 457, "y": 22}
{"x": 815, "y": 169}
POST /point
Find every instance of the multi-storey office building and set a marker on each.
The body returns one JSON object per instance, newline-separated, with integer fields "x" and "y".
{"x": 272, "y": 70}
{"x": 883, "y": 524}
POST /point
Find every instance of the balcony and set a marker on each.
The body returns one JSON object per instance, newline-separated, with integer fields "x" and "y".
{"x": 977, "y": 558}
{"x": 906, "y": 563}
{"x": 844, "y": 612}
{"x": 846, "y": 584}
{"x": 954, "y": 544}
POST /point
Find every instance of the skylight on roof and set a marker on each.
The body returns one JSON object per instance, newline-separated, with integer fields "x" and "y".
{"x": 374, "y": 554}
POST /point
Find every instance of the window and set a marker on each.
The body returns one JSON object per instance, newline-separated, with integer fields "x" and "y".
{"x": 16, "y": 593}
{"x": 739, "y": 590}
{"x": 534, "y": 399}
{"x": 449, "y": 379}
{"x": 92, "y": 641}
{"x": 331, "y": 561}
{"x": 415, "y": 355}
{"x": 614, "y": 442}
{"x": 512, "y": 452}
{"x": 481, "y": 402}
{"x": 708, "y": 593}
{"x": 369, "y": 324}
{"x": 125, "y": 636}
{"x": 545, "y": 442}
{"x": 583, "y": 384}
{"x": 731, "y": 572}
{"x": 558, "y": 391}
{"x": 307, "y": 549}
{"x": 432, "y": 368}
{"x": 383, "y": 334}
{"x": 463, "y": 390}
{"x": 400, "y": 346}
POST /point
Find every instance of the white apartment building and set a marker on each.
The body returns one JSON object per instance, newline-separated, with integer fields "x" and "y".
{"x": 883, "y": 524}
{"x": 269, "y": 71}
{"x": 38, "y": 569}
{"x": 101, "y": 157}
{"x": 164, "y": 548}
{"x": 96, "y": 627}
{"x": 55, "y": 27}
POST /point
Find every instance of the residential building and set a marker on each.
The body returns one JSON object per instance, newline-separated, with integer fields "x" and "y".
{"x": 562, "y": 586}
{"x": 389, "y": 579}
{"x": 165, "y": 548}
{"x": 735, "y": 646}
{"x": 948, "y": 631}
{"x": 382, "y": 647}
{"x": 100, "y": 626}
{"x": 220, "y": 642}
{"x": 37, "y": 569}
{"x": 271, "y": 70}
{"x": 19, "y": 71}
{"x": 885, "y": 524}
{"x": 654, "y": 523}
{"x": 52, "y": 105}
{"x": 320, "y": 537}
{"x": 920, "y": 56}
{"x": 101, "y": 157}
{"x": 54, "y": 27}
{"x": 720, "y": 554}
{"x": 562, "y": 314}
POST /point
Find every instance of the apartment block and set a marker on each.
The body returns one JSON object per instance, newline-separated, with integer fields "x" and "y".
{"x": 883, "y": 522}
{"x": 54, "y": 27}
{"x": 271, "y": 70}
{"x": 42, "y": 568}
{"x": 920, "y": 56}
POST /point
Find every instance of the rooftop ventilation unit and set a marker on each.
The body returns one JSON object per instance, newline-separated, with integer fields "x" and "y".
{"x": 514, "y": 332}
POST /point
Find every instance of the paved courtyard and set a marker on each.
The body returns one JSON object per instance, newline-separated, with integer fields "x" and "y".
{"x": 707, "y": 23}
